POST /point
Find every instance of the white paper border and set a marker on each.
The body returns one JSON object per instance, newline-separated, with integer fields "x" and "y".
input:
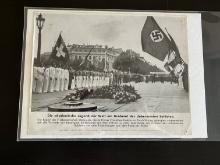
{"x": 196, "y": 73}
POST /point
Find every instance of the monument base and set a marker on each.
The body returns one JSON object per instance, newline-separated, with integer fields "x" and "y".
{"x": 72, "y": 106}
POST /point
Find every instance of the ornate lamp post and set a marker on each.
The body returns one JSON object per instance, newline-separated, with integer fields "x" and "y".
{"x": 40, "y": 22}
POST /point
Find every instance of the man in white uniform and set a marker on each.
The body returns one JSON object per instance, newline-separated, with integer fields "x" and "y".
{"x": 61, "y": 79}
{"x": 111, "y": 77}
{"x": 73, "y": 80}
{"x": 99, "y": 79}
{"x": 40, "y": 79}
{"x": 80, "y": 79}
{"x": 34, "y": 83}
{"x": 108, "y": 79}
{"x": 83, "y": 79}
{"x": 105, "y": 79}
{"x": 66, "y": 82}
{"x": 51, "y": 79}
{"x": 70, "y": 71}
{"x": 90, "y": 80}
{"x": 57, "y": 79}
{"x": 76, "y": 79}
{"x": 180, "y": 81}
{"x": 46, "y": 79}
{"x": 102, "y": 79}
{"x": 96, "y": 79}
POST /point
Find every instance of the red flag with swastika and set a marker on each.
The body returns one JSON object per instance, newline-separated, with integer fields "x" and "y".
{"x": 154, "y": 41}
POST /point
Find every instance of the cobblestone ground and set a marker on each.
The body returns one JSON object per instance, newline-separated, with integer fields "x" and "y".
{"x": 159, "y": 97}
{"x": 155, "y": 97}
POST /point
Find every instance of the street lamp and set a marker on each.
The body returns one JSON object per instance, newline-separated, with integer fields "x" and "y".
{"x": 40, "y": 22}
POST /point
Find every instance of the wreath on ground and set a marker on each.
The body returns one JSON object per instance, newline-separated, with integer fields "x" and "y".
{"x": 122, "y": 94}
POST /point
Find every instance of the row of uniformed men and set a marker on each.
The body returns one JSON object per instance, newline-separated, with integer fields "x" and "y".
{"x": 49, "y": 79}
{"x": 89, "y": 79}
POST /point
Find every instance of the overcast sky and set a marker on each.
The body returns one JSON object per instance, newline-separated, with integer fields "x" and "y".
{"x": 117, "y": 31}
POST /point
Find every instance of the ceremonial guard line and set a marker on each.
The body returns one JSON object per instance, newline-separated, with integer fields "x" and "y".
{"x": 88, "y": 79}
{"x": 49, "y": 79}
{"x": 55, "y": 79}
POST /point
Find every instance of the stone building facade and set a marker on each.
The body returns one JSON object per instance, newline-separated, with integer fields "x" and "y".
{"x": 98, "y": 53}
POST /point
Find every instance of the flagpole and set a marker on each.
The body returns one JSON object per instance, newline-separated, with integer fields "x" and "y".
{"x": 40, "y": 22}
{"x": 129, "y": 72}
{"x": 39, "y": 46}
{"x": 84, "y": 61}
{"x": 105, "y": 61}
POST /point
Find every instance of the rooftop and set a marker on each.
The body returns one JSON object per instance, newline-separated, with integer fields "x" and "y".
{"x": 96, "y": 48}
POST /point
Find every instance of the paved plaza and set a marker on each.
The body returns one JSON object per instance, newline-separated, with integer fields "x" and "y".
{"x": 155, "y": 97}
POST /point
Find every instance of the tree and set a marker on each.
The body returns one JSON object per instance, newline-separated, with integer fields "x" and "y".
{"x": 130, "y": 60}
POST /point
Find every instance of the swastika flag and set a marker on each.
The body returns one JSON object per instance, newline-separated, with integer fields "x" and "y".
{"x": 154, "y": 41}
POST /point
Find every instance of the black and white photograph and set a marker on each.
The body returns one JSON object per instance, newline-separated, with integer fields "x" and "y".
{"x": 111, "y": 65}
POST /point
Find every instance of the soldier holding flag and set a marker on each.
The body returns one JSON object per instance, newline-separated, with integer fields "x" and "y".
{"x": 59, "y": 54}
{"x": 60, "y": 57}
{"x": 174, "y": 60}
{"x": 163, "y": 47}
